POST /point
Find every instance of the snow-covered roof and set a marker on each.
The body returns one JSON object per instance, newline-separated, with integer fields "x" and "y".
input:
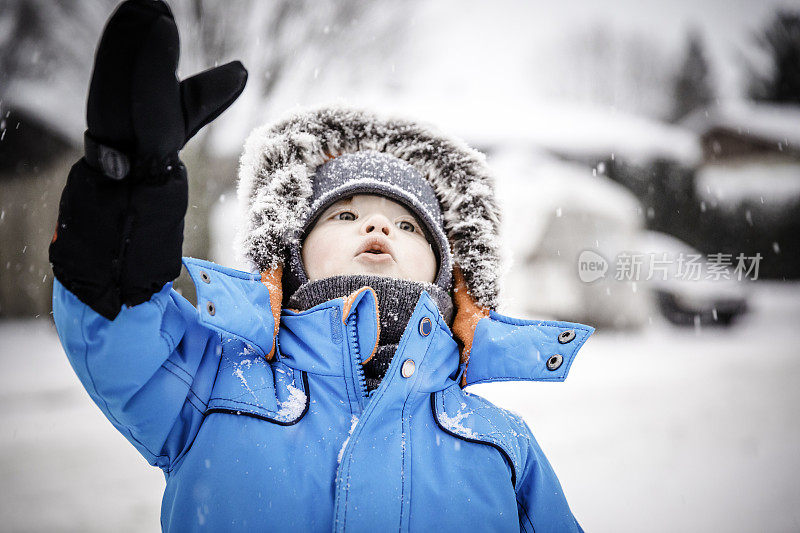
{"x": 534, "y": 188}
{"x": 771, "y": 122}
{"x": 567, "y": 128}
{"x": 64, "y": 114}
{"x": 774, "y": 183}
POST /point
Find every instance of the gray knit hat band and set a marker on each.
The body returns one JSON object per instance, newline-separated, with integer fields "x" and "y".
{"x": 372, "y": 172}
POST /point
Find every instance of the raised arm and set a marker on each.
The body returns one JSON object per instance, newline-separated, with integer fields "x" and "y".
{"x": 136, "y": 345}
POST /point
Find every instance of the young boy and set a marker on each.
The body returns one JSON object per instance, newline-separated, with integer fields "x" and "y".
{"x": 326, "y": 391}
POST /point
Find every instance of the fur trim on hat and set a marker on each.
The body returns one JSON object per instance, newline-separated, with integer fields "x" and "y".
{"x": 278, "y": 165}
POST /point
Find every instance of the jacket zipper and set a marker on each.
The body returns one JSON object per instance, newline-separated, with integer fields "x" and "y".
{"x": 358, "y": 369}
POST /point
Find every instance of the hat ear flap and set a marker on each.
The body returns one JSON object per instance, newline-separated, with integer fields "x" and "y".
{"x": 272, "y": 280}
{"x": 468, "y": 314}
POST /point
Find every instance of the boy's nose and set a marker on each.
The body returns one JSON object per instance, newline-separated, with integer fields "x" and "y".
{"x": 376, "y": 223}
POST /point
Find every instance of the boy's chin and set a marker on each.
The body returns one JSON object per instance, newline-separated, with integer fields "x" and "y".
{"x": 380, "y": 265}
{"x": 377, "y": 269}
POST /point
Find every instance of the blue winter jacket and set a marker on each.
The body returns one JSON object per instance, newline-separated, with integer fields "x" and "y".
{"x": 297, "y": 444}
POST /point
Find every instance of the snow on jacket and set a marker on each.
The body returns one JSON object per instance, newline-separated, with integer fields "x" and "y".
{"x": 294, "y": 443}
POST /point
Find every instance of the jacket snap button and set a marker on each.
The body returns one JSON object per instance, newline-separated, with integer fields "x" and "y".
{"x": 565, "y": 336}
{"x": 205, "y": 277}
{"x": 210, "y": 308}
{"x": 425, "y": 327}
{"x": 554, "y": 362}
{"x": 407, "y": 370}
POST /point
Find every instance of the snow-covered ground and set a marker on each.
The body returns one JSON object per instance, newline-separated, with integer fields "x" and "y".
{"x": 664, "y": 430}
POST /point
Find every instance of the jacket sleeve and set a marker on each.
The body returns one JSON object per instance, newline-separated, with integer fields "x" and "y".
{"x": 150, "y": 370}
{"x": 541, "y": 503}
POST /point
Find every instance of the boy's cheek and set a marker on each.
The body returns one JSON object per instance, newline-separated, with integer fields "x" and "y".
{"x": 419, "y": 263}
{"x": 323, "y": 254}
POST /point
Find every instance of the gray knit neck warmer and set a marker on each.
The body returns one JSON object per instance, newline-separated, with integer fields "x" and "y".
{"x": 396, "y": 301}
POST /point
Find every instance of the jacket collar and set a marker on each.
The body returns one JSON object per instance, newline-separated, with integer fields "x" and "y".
{"x": 504, "y": 348}
{"x": 511, "y": 349}
{"x": 233, "y": 302}
{"x": 309, "y": 339}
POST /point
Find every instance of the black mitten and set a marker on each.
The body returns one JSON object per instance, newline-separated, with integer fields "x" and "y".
{"x": 120, "y": 224}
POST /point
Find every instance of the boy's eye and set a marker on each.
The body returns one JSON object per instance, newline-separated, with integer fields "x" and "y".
{"x": 405, "y": 225}
{"x": 345, "y": 215}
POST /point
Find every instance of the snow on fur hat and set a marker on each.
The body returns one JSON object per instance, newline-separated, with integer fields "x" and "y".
{"x": 279, "y": 162}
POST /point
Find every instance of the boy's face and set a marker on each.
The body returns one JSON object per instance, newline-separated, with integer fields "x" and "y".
{"x": 368, "y": 234}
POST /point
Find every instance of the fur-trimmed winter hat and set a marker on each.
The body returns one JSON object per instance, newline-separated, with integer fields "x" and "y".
{"x": 280, "y": 160}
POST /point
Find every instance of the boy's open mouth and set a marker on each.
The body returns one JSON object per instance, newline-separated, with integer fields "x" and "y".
{"x": 375, "y": 248}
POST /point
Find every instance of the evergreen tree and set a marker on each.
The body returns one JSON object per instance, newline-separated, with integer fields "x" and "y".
{"x": 780, "y": 41}
{"x": 691, "y": 86}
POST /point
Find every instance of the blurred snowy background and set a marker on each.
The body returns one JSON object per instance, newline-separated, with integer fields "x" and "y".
{"x": 619, "y": 129}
